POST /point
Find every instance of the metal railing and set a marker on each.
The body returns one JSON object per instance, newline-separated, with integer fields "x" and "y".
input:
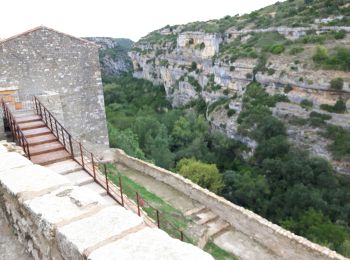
{"x": 17, "y": 134}
{"x": 98, "y": 170}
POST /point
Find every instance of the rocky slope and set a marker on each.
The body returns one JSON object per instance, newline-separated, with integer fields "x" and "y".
{"x": 280, "y": 46}
{"x": 114, "y": 55}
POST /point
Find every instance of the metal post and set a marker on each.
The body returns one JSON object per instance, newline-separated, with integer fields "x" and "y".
{"x": 158, "y": 222}
{"x": 64, "y": 140}
{"x": 58, "y": 136}
{"x": 50, "y": 121}
{"x": 93, "y": 166}
{"x": 121, "y": 189}
{"x": 81, "y": 155}
{"x": 138, "y": 204}
{"x": 105, "y": 170}
{"x": 70, "y": 144}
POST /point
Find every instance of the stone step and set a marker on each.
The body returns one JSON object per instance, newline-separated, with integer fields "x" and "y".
{"x": 80, "y": 178}
{"x": 26, "y": 113}
{"x": 42, "y": 139}
{"x": 27, "y": 119}
{"x": 205, "y": 217}
{"x": 31, "y": 125}
{"x": 65, "y": 167}
{"x": 51, "y": 157}
{"x": 46, "y": 147}
{"x": 194, "y": 211}
{"x": 36, "y": 132}
{"x": 96, "y": 188}
{"x": 216, "y": 227}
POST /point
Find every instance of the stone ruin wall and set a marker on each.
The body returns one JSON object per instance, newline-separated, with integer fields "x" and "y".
{"x": 282, "y": 242}
{"x": 43, "y": 61}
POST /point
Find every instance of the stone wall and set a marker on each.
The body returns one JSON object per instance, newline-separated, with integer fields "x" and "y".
{"x": 54, "y": 219}
{"x": 282, "y": 242}
{"x": 46, "y": 60}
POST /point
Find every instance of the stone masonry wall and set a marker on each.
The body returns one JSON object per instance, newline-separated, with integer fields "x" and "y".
{"x": 282, "y": 242}
{"x": 46, "y": 60}
{"x": 55, "y": 219}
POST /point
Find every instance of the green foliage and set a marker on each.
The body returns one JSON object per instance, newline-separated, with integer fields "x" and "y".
{"x": 317, "y": 119}
{"x": 337, "y": 84}
{"x": 125, "y": 140}
{"x": 296, "y": 50}
{"x": 340, "y": 147}
{"x": 231, "y": 112}
{"x": 315, "y": 226}
{"x": 277, "y": 49}
{"x": 338, "y": 59}
{"x": 305, "y": 103}
{"x": 194, "y": 83}
{"x": 193, "y": 66}
{"x": 205, "y": 175}
{"x": 339, "y": 107}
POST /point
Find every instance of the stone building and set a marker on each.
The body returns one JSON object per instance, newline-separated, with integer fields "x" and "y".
{"x": 64, "y": 71}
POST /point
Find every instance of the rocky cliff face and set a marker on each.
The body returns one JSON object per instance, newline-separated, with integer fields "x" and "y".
{"x": 113, "y": 55}
{"x": 217, "y": 67}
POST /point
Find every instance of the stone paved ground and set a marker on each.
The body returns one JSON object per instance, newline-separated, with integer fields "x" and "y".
{"x": 10, "y": 248}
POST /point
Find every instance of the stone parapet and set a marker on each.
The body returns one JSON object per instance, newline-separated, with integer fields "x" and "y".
{"x": 54, "y": 219}
{"x": 281, "y": 242}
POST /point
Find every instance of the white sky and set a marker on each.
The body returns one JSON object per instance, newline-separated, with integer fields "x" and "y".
{"x": 114, "y": 18}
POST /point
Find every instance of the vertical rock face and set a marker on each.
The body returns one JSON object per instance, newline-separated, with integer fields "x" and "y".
{"x": 46, "y": 60}
{"x": 114, "y": 55}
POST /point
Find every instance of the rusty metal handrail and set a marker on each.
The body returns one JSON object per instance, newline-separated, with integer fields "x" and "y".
{"x": 17, "y": 133}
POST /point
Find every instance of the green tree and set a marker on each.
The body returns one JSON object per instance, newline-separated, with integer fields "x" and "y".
{"x": 125, "y": 140}
{"x": 337, "y": 84}
{"x": 205, "y": 175}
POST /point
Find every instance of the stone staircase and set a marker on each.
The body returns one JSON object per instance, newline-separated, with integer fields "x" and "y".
{"x": 46, "y": 150}
{"x": 212, "y": 223}
{"x": 44, "y": 147}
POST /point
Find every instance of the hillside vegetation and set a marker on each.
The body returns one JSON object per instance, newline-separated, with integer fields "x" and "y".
{"x": 277, "y": 82}
{"x": 279, "y": 182}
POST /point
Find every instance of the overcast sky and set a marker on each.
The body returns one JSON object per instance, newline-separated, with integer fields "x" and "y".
{"x": 114, "y": 18}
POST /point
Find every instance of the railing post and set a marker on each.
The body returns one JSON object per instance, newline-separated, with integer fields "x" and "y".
{"x": 50, "y": 121}
{"x": 182, "y": 236}
{"x": 63, "y": 138}
{"x": 121, "y": 189}
{"x": 138, "y": 204}
{"x": 81, "y": 155}
{"x": 70, "y": 144}
{"x": 93, "y": 166}
{"x": 58, "y": 136}
{"x": 158, "y": 222}
{"x": 107, "y": 185}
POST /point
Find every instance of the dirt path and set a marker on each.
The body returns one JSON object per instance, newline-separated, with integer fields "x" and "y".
{"x": 10, "y": 248}
{"x": 205, "y": 221}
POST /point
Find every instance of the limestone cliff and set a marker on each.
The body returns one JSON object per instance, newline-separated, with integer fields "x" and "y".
{"x": 113, "y": 55}
{"x": 216, "y": 60}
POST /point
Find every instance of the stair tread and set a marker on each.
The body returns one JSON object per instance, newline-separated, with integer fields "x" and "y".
{"x": 50, "y": 157}
{"x": 25, "y": 119}
{"x": 31, "y": 125}
{"x": 65, "y": 167}
{"x": 79, "y": 177}
{"x": 96, "y": 188}
{"x": 41, "y": 139}
{"x": 40, "y": 148}
{"x": 36, "y": 131}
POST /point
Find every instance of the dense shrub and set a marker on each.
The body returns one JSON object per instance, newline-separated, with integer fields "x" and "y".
{"x": 339, "y": 107}
{"x": 339, "y": 59}
{"x": 306, "y": 103}
{"x": 277, "y": 49}
{"x": 337, "y": 84}
{"x": 296, "y": 50}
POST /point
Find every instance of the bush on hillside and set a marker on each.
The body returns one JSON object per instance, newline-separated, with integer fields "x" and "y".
{"x": 337, "y": 84}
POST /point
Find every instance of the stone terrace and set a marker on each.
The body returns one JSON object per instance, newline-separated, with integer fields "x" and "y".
{"x": 54, "y": 219}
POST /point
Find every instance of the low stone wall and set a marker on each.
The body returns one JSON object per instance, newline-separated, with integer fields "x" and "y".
{"x": 282, "y": 242}
{"x": 54, "y": 219}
